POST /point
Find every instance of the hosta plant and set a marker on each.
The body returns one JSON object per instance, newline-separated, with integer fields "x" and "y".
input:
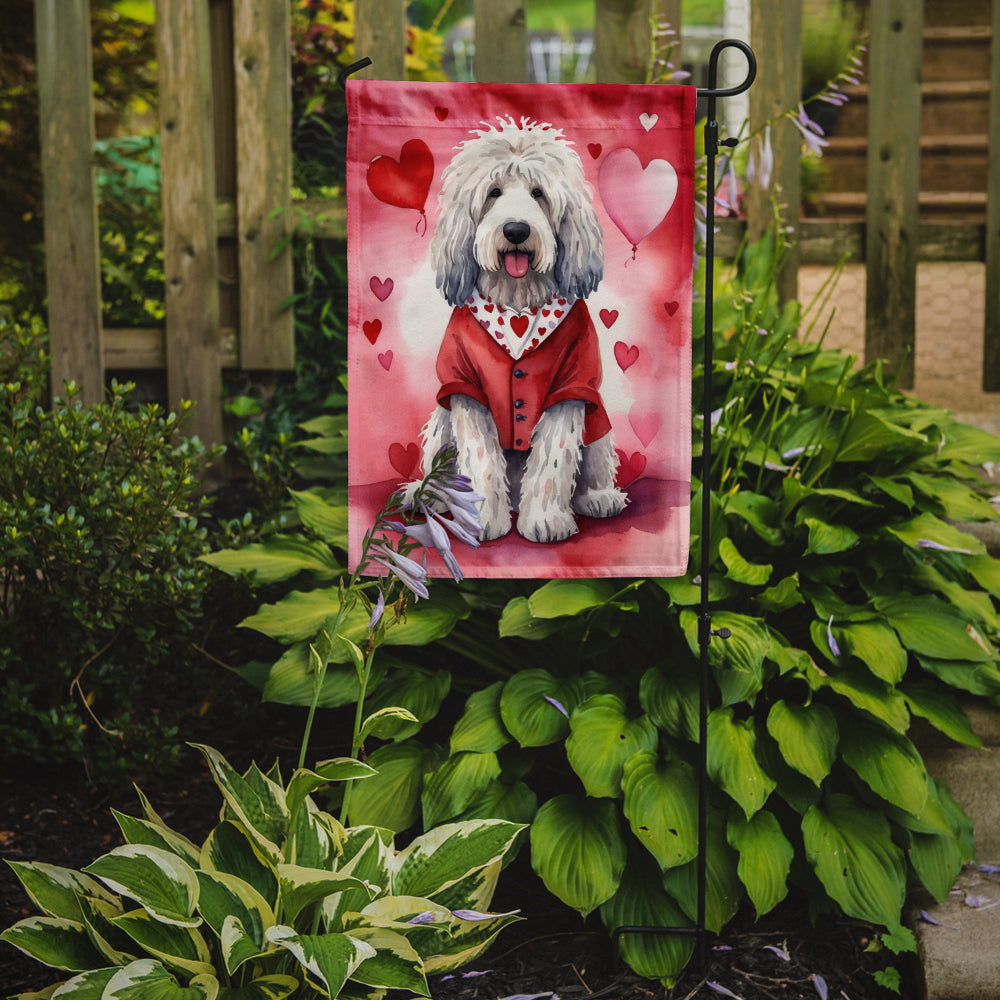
{"x": 279, "y": 900}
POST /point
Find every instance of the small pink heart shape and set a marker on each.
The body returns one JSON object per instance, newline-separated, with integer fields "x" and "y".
{"x": 645, "y": 426}
{"x": 381, "y": 289}
{"x": 404, "y": 459}
{"x": 519, "y": 324}
{"x": 385, "y": 360}
{"x": 630, "y": 467}
{"x": 608, "y": 317}
{"x": 372, "y": 328}
{"x": 671, "y": 307}
{"x": 594, "y": 148}
{"x": 626, "y": 356}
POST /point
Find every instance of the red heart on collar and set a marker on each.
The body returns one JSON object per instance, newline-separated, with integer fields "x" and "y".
{"x": 519, "y": 324}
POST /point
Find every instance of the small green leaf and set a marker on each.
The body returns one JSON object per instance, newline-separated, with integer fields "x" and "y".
{"x": 279, "y": 558}
{"x": 932, "y": 628}
{"x": 481, "y": 727}
{"x": 739, "y": 569}
{"x": 391, "y": 798}
{"x": 732, "y": 760}
{"x": 301, "y": 887}
{"x": 328, "y": 521}
{"x": 888, "y": 763}
{"x": 535, "y": 706}
{"x": 807, "y": 736}
{"x": 671, "y": 699}
{"x": 456, "y": 784}
{"x": 936, "y": 704}
{"x": 517, "y": 620}
{"x": 828, "y": 539}
{"x": 559, "y": 598}
{"x": 765, "y": 858}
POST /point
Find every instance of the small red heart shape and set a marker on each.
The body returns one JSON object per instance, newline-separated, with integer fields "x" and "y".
{"x": 626, "y": 356}
{"x": 484, "y": 324}
{"x": 372, "y": 328}
{"x": 545, "y": 312}
{"x": 489, "y": 307}
{"x": 534, "y": 343}
{"x": 558, "y": 313}
{"x": 441, "y": 113}
{"x": 608, "y": 317}
{"x": 562, "y": 302}
{"x": 594, "y": 148}
{"x": 671, "y": 307}
{"x": 381, "y": 289}
{"x": 519, "y": 324}
{"x": 385, "y": 360}
{"x": 630, "y": 467}
{"x": 404, "y": 459}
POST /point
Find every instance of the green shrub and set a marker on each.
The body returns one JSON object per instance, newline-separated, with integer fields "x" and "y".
{"x": 99, "y": 541}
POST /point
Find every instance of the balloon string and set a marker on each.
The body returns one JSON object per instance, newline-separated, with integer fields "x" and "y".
{"x": 421, "y": 227}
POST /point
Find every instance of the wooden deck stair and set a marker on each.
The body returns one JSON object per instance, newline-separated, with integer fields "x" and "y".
{"x": 955, "y": 89}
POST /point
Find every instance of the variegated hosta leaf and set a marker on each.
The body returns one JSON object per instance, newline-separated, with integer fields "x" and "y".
{"x": 888, "y": 763}
{"x": 230, "y": 849}
{"x": 147, "y": 979}
{"x": 225, "y": 897}
{"x": 535, "y": 706}
{"x": 275, "y": 987}
{"x": 395, "y": 964}
{"x": 476, "y": 890}
{"x": 367, "y": 853}
{"x": 661, "y": 805}
{"x": 158, "y": 880}
{"x": 54, "y": 941}
{"x": 56, "y": 891}
{"x": 807, "y": 736}
{"x": 329, "y": 959}
{"x": 481, "y": 727}
{"x": 578, "y": 851}
{"x": 732, "y": 760}
{"x": 456, "y": 784}
{"x": 602, "y": 737}
{"x": 87, "y": 986}
{"x": 98, "y": 915}
{"x": 765, "y": 858}
{"x": 315, "y": 838}
{"x": 642, "y": 902}
{"x": 141, "y": 831}
{"x": 391, "y": 799}
{"x": 850, "y": 847}
{"x": 301, "y": 887}
{"x": 441, "y": 857}
{"x": 256, "y": 801}
{"x": 467, "y": 940}
{"x": 177, "y": 947}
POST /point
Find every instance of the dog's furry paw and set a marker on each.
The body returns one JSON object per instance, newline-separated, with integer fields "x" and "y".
{"x": 551, "y": 527}
{"x": 494, "y": 527}
{"x": 599, "y": 503}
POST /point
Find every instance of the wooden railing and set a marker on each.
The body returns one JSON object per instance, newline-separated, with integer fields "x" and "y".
{"x": 226, "y": 160}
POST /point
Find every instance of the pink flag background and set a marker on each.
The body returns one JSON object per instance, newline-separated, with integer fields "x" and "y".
{"x": 402, "y": 137}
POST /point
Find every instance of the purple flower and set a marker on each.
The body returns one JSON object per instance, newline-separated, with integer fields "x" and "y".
{"x": 927, "y": 543}
{"x": 475, "y": 915}
{"x": 811, "y": 132}
{"x": 780, "y": 952}
{"x": 410, "y": 573}
{"x": 719, "y": 988}
{"x": 558, "y": 705}
{"x": 430, "y": 535}
{"x": 820, "y": 983}
{"x": 761, "y": 163}
{"x": 377, "y": 612}
{"x": 834, "y": 648}
{"x": 427, "y": 917}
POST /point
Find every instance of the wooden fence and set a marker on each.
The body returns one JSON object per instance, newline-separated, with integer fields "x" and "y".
{"x": 226, "y": 160}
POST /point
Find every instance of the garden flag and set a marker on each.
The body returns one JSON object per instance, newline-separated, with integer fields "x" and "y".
{"x": 520, "y": 266}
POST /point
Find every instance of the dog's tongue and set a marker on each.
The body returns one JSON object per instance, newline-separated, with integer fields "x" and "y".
{"x": 516, "y": 264}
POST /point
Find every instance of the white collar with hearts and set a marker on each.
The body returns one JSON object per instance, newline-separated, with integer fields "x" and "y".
{"x": 518, "y": 333}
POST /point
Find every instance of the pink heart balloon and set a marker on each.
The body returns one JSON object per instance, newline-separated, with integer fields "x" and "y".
{"x": 637, "y": 198}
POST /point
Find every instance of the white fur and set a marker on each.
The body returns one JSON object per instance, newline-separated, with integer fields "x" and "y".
{"x": 528, "y": 175}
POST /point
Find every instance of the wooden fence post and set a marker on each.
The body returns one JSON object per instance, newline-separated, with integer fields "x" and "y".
{"x": 262, "y": 61}
{"x": 776, "y": 35}
{"x": 501, "y": 41}
{"x": 380, "y": 34}
{"x": 72, "y": 255}
{"x": 991, "y": 332}
{"x": 190, "y": 251}
{"x": 621, "y": 40}
{"x": 892, "y": 215}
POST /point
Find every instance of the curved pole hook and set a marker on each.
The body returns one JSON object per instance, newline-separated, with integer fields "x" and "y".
{"x": 712, "y": 90}
{"x": 353, "y": 68}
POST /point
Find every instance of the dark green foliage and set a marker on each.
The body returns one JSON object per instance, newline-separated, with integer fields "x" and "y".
{"x": 99, "y": 539}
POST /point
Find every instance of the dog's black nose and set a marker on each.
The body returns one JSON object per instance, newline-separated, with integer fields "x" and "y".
{"x": 516, "y": 232}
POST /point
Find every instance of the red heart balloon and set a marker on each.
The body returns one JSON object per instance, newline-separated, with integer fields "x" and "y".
{"x": 404, "y": 183}
{"x": 404, "y": 460}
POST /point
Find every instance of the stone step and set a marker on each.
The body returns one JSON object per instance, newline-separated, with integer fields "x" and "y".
{"x": 952, "y": 206}
{"x": 956, "y": 53}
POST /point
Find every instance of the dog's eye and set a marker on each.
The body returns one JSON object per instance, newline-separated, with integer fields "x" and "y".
{"x": 537, "y": 193}
{"x": 494, "y": 193}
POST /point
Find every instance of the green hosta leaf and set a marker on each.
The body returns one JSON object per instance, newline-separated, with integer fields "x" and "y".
{"x": 866, "y": 692}
{"x": 391, "y": 798}
{"x": 279, "y": 558}
{"x": 275, "y": 987}
{"x": 395, "y": 964}
{"x": 226, "y": 898}
{"x": 986, "y": 572}
{"x": 807, "y": 736}
{"x": 641, "y": 901}
{"x": 456, "y": 784}
{"x": 147, "y": 979}
{"x": 260, "y": 809}
{"x": 98, "y": 916}
{"x": 481, "y": 728}
{"x": 893, "y": 488}
{"x": 441, "y": 857}
{"x": 327, "y": 520}
{"x": 965, "y": 443}
{"x": 578, "y": 851}
{"x": 559, "y": 598}
{"x": 975, "y": 605}
{"x": 751, "y": 574}
{"x": 417, "y": 690}
{"x": 516, "y": 803}
{"x": 517, "y": 620}
{"x": 723, "y": 889}
{"x": 937, "y": 859}
{"x": 876, "y": 646}
{"x": 684, "y": 592}
{"x": 870, "y": 436}
{"x": 765, "y": 858}
{"x": 828, "y": 539}
{"x": 230, "y": 849}
{"x": 957, "y": 501}
{"x": 387, "y": 723}
{"x": 928, "y": 528}
{"x": 528, "y": 710}
{"x": 783, "y": 595}
{"x": 888, "y": 763}
{"x": 671, "y": 699}
{"x": 301, "y": 887}
{"x": 661, "y": 798}
{"x": 931, "y": 628}
{"x": 54, "y": 941}
{"x": 850, "y": 847}
{"x": 976, "y": 678}
{"x": 180, "y": 948}
{"x": 159, "y": 881}
{"x": 330, "y": 959}
{"x": 56, "y": 891}
{"x": 304, "y": 782}
{"x": 732, "y": 760}
{"x": 291, "y": 680}
{"x": 738, "y": 661}
{"x": 758, "y": 511}
{"x": 141, "y": 831}
{"x": 941, "y": 709}
{"x": 602, "y": 738}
